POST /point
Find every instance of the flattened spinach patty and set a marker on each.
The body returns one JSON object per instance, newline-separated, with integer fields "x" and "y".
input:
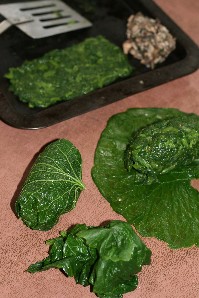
{"x": 65, "y": 74}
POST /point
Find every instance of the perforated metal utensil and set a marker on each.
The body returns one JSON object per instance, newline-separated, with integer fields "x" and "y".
{"x": 43, "y": 18}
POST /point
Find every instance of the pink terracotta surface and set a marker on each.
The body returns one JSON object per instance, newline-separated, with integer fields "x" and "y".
{"x": 172, "y": 273}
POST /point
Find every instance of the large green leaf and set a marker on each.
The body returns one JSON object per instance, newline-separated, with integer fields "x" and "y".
{"x": 167, "y": 209}
{"x": 108, "y": 258}
{"x": 52, "y": 186}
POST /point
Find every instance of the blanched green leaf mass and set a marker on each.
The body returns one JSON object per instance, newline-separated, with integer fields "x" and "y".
{"x": 65, "y": 74}
{"x": 52, "y": 187}
{"x": 107, "y": 258}
{"x": 168, "y": 206}
{"x": 164, "y": 145}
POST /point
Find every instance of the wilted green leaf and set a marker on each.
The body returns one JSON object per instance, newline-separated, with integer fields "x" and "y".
{"x": 108, "y": 258}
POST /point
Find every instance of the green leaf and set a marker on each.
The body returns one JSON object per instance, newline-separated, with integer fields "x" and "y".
{"x": 110, "y": 274}
{"x": 69, "y": 253}
{"x": 121, "y": 256}
{"x": 52, "y": 187}
{"x": 115, "y": 242}
{"x": 112, "y": 279}
{"x": 167, "y": 209}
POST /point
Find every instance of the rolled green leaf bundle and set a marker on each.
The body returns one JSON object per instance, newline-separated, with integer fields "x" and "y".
{"x": 52, "y": 187}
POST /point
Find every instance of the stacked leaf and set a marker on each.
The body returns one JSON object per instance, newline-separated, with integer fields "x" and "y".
{"x": 107, "y": 258}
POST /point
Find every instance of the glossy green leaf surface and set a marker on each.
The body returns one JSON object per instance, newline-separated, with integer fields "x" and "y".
{"x": 107, "y": 258}
{"x": 167, "y": 209}
{"x": 52, "y": 187}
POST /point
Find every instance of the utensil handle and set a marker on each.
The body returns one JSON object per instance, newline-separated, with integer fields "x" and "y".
{"x": 4, "y": 25}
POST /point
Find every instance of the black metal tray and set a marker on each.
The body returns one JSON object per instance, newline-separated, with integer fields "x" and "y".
{"x": 109, "y": 19}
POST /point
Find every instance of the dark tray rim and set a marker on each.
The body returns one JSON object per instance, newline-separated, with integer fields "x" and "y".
{"x": 110, "y": 94}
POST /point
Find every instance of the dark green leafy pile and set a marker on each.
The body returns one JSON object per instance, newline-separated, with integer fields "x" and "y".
{"x": 52, "y": 187}
{"x": 165, "y": 206}
{"x": 65, "y": 74}
{"x": 107, "y": 258}
{"x": 163, "y": 146}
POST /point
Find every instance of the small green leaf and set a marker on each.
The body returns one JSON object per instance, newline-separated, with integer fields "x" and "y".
{"x": 52, "y": 187}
